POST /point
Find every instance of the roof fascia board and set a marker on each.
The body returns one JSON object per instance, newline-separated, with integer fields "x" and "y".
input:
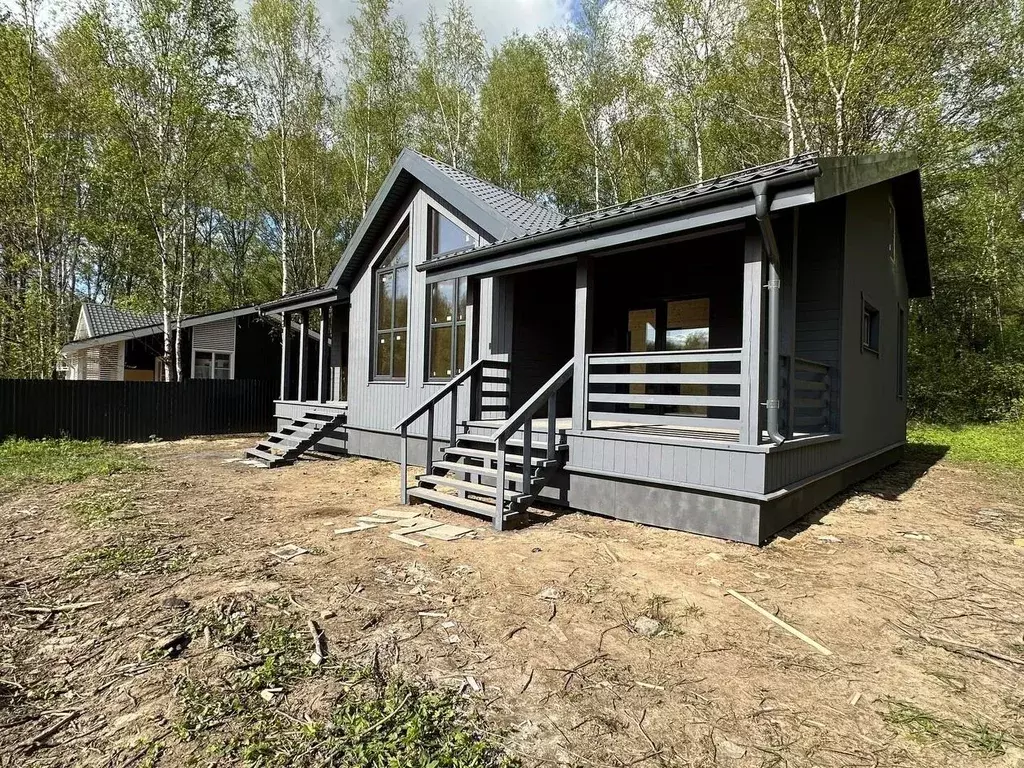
{"x": 323, "y": 298}
{"x": 616, "y": 237}
{"x": 841, "y": 175}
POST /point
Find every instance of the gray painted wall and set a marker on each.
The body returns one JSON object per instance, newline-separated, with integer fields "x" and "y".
{"x": 381, "y": 405}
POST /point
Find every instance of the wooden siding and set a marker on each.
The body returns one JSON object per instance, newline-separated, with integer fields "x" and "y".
{"x": 133, "y": 411}
{"x": 378, "y": 405}
{"x": 724, "y": 467}
{"x": 819, "y": 283}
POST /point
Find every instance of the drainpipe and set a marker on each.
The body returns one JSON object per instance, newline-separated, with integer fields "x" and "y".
{"x": 762, "y": 211}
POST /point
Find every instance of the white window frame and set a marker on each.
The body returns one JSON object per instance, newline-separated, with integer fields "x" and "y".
{"x": 231, "y": 362}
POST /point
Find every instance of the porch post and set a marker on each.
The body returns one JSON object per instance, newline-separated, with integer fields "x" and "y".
{"x": 789, "y": 323}
{"x": 286, "y": 352}
{"x": 322, "y": 370}
{"x": 473, "y": 342}
{"x": 583, "y": 338}
{"x": 751, "y": 356}
{"x": 339, "y": 319}
{"x": 303, "y": 355}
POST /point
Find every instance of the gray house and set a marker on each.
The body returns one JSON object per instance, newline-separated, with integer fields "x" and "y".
{"x": 719, "y": 358}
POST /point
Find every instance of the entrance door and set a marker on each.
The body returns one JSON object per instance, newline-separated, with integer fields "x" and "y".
{"x": 678, "y": 325}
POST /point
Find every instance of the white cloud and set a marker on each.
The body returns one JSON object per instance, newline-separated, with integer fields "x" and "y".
{"x": 496, "y": 18}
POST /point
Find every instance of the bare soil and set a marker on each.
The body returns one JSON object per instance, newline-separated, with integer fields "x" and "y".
{"x": 913, "y": 581}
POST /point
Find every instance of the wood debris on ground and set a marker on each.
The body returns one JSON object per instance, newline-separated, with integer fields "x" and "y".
{"x": 407, "y": 522}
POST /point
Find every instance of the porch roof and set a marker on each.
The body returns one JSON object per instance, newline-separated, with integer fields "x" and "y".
{"x": 798, "y": 180}
{"x": 305, "y": 299}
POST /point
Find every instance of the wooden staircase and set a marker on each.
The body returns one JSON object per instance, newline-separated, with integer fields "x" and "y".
{"x": 467, "y": 476}
{"x": 497, "y": 474}
{"x": 294, "y": 439}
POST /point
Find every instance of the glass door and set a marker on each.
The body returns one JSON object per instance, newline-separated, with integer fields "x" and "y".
{"x": 688, "y": 326}
{"x": 642, "y": 336}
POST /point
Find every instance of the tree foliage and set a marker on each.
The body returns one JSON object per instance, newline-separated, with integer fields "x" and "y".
{"x": 168, "y": 156}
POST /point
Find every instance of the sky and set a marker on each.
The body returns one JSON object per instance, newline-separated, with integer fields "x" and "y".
{"x": 497, "y": 18}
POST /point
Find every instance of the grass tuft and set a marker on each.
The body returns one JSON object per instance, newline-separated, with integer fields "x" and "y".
{"x": 1001, "y": 443}
{"x": 923, "y": 726}
{"x": 24, "y": 462}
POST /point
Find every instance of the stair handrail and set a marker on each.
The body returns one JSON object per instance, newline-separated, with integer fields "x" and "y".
{"x": 427, "y": 407}
{"x": 546, "y": 394}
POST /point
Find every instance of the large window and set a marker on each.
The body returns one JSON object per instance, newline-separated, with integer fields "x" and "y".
{"x": 211, "y": 365}
{"x": 446, "y": 236}
{"x": 392, "y": 311}
{"x": 447, "y": 343}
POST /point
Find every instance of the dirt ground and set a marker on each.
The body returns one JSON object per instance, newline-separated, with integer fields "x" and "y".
{"x": 913, "y": 581}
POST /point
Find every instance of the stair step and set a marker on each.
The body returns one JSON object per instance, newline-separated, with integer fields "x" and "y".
{"x": 270, "y": 458}
{"x": 297, "y": 431}
{"x": 282, "y": 436}
{"x": 451, "y": 466}
{"x": 538, "y": 445}
{"x": 462, "y": 485}
{"x": 447, "y": 500}
{"x": 510, "y": 458}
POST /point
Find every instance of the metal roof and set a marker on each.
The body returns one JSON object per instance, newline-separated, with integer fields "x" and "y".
{"x": 494, "y": 212}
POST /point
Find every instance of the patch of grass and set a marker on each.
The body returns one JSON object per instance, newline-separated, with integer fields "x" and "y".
{"x": 378, "y": 719}
{"x": 98, "y": 507}
{"x": 1001, "y": 443}
{"x": 24, "y": 462}
{"x": 923, "y": 726}
{"x": 129, "y": 558}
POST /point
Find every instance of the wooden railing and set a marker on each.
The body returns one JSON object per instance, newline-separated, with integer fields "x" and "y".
{"x": 697, "y": 389}
{"x": 546, "y": 396}
{"x": 484, "y": 385}
{"x": 812, "y": 396}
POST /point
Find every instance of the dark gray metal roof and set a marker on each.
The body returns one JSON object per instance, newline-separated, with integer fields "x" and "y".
{"x": 831, "y": 176}
{"x": 494, "y": 212}
{"x": 102, "y": 319}
{"x": 530, "y": 216}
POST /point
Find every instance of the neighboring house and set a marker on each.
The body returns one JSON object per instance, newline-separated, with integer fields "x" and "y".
{"x": 116, "y": 345}
{"x": 719, "y": 358}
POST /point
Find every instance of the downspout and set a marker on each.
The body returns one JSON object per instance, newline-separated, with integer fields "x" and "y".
{"x": 762, "y": 211}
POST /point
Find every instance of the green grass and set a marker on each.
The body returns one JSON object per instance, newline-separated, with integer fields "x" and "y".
{"x": 921, "y": 725}
{"x": 377, "y": 719}
{"x": 28, "y": 462}
{"x": 1000, "y": 444}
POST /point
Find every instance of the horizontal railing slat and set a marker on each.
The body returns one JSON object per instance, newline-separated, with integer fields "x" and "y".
{"x": 665, "y": 420}
{"x": 732, "y": 379}
{"x": 663, "y": 358}
{"x": 710, "y": 401}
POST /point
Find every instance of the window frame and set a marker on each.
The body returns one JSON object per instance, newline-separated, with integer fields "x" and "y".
{"x": 868, "y": 313}
{"x": 454, "y": 323}
{"x": 213, "y": 363}
{"x": 433, "y": 212}
{"x": 402, "y": 230}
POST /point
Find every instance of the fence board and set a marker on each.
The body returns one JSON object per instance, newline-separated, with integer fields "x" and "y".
{"x": 134, "y": 411}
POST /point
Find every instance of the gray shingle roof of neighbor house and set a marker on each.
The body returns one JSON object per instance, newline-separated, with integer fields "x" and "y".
{"x": 829, "y": 177}
{"x": 103, "y": 319}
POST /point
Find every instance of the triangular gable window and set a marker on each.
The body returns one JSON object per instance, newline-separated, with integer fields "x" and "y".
{"x": 445, "y": 236}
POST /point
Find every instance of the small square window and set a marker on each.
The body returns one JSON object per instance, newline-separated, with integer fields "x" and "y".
{"x": 869, "y": 329}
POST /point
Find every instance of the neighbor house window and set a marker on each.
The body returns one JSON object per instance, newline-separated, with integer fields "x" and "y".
{"x": 447, "y": 342}
{"x": 391, "y": 279}
{"x": 869, "y": 327}
{"x": 211, "y": 365}
{"x": 901, "y": 355}
{"x": 445, "y": 236}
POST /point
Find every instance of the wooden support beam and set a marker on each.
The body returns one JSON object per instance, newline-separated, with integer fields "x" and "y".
{"x": 473, "y": 342}
{"x": 583, "y": 338}
{"x": 303, "y": 353}
{"x": 323, "y": 370}
{"x": 752, "y": 355}
{"x": 339, "y": 353}
{"x": 286, "y": 353}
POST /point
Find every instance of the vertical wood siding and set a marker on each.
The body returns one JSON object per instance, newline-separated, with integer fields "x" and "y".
{"x": 380, "y": 405}
{"x": 133, "y": 411}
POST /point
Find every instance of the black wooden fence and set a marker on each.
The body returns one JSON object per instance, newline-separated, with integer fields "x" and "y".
{"x": 134, "y": 411}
